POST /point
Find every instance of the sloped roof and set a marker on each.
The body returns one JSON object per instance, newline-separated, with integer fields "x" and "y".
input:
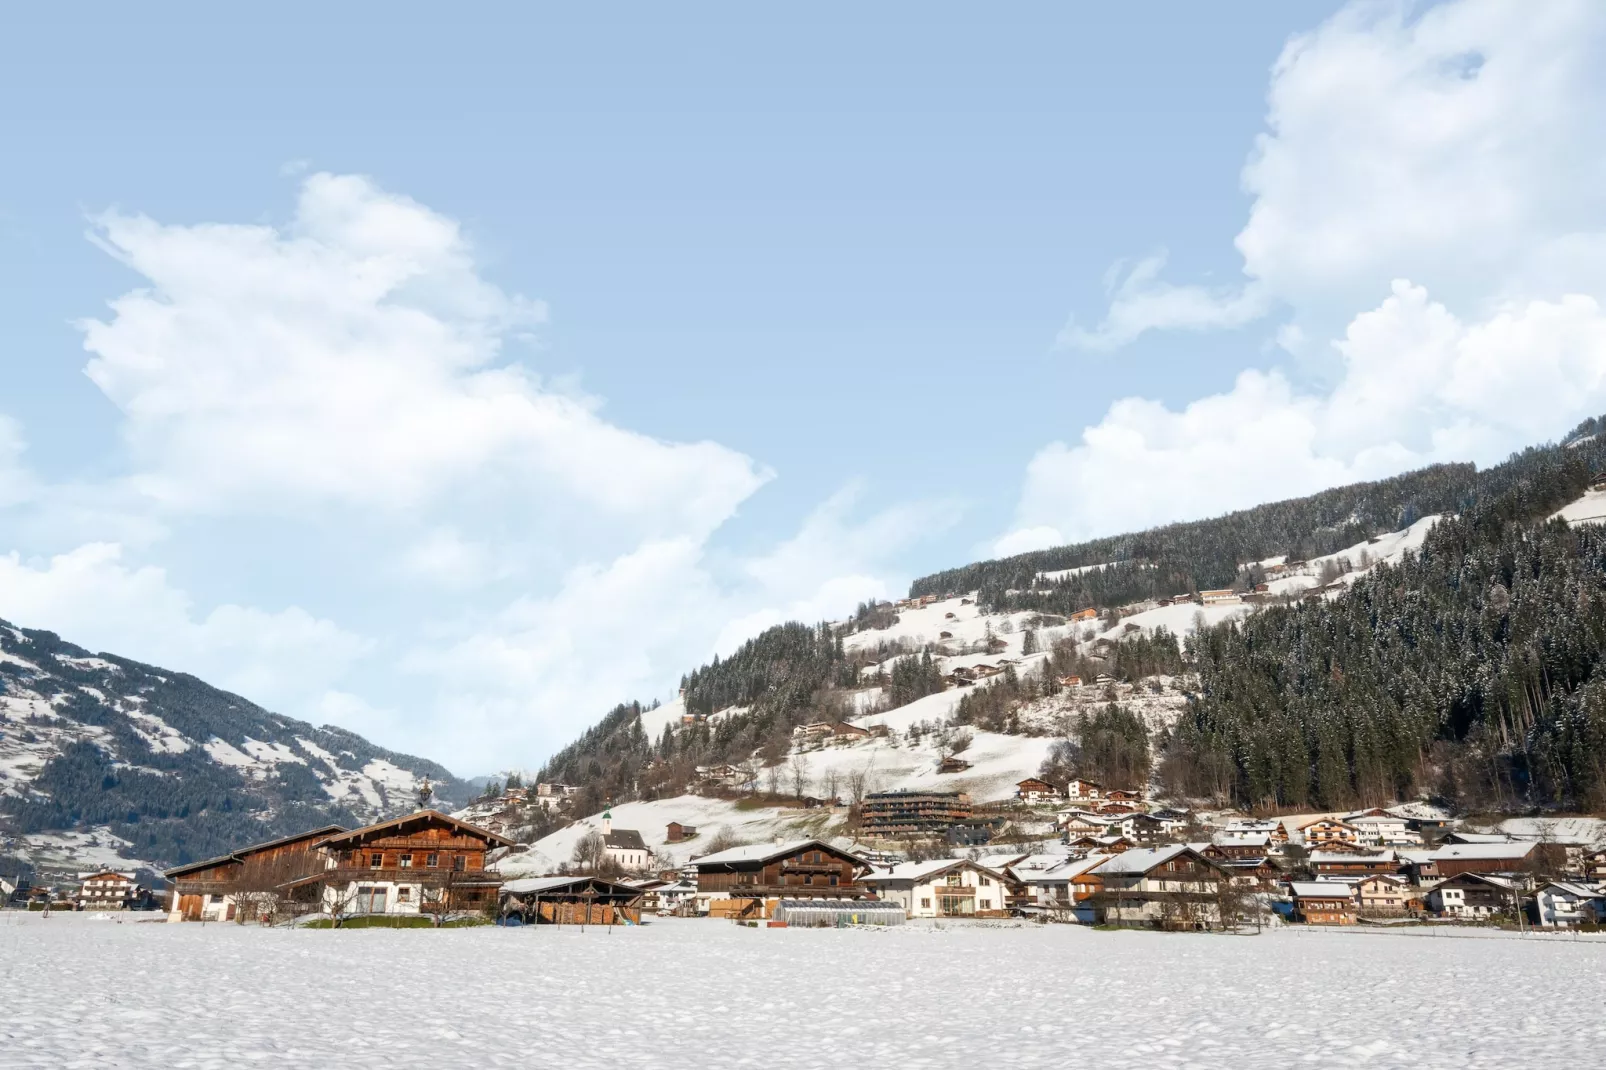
{"x": 543, "y": 885}
{"x": 1515, "y": 850}
{"x": 764, "y": 852}
{"x": 1074, "y": 867}
{"x": 917, "y": 872}
{"x": 1139, "y": 860}
{"x": 426, "y": 816}
{"x": 624, "y": 840}
{"x": 1350, "y": 857}
{"x": 1321, "y": 889}
{"x": 317, "y": 834}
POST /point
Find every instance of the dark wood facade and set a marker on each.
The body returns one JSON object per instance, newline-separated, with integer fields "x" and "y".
{"x": 794, "y": 871}
{"x": 198, "y": 885}
{"x": 439, "y": 856}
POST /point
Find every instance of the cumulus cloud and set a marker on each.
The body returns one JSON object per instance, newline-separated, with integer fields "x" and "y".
{"x": 91, "y": 597}
{"x": 1427, "y": 169}
{"x": 356, "y": 356}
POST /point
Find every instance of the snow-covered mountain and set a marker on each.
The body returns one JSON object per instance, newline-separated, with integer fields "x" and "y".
{"x": 103, "y": 759}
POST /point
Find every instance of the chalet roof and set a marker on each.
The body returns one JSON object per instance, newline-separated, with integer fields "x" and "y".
{"x": 1479, "y": 837}
{"x": 1479, "y": 878}
{"x": 1140, "y": 860}
{"x": 1073, "y": 867}
{"x": 760, "y": 853}
{"x": 918, "y": 872}
{"x": 1321, "y": 889}
{"x": 1243, "y": 839}
{"x": 99, "y": 873}
{"x": 1349, "y": 857}
{"x": 1324, "y": 821}
{"x": 239, "y": 855}
{"x": 425, "y": 816}
{"x": 624, "y": 840}
{"x": 1485, "y": 851}
{"x": 1575, "y": 889}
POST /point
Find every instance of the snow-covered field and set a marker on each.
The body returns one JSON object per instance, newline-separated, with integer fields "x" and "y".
{"x": 186, "y": 997}
{"x": 1589, "y": 509}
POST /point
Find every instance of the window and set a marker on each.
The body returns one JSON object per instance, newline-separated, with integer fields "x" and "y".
{"x": 460, "y": 862}
{"x": 376, "y": 860}
{"x": 432, "y": 860}
{"x": 404, "y": 894}
{"x": 404, "y": 861}
{"x": 833, "y": 880}
{"x": 926, "y": 903}
{"x": 808, "y": 878}
{"x": 985, "y": 883}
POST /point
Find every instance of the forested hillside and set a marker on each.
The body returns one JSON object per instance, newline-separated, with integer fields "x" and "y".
{"x": 1470, "y": 671}
{"x": 1206, "y": 554}
{"x": 176, "y": 768}
{"x": 1474, "y": 671}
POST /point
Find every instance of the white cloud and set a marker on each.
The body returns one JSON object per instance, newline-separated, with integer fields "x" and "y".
{"x": 90, "y": 597}
{"x": 1452, "y": 149}
{"x": 356, "y": 357}
{"x": 1419, "y": 386}
{"x": 1141, "y": 301}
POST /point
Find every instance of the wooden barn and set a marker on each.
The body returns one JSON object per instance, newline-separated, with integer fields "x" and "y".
{"x": 212, "y": 890}
{"x": 571, "y": 901}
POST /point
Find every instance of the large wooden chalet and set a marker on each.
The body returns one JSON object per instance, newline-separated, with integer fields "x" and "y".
{"x": 425, "y": 862}
{"x": 1171, "y": 887}
{"x": 798, "y": 870}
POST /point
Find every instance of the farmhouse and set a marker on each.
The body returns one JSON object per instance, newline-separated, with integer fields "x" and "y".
{"x": 797, "y": 870}
{"x": 942, "y": 888}
{"x": 1383, "y": 894}
{"x": 1062, "y": 886}
{"x": 1515, "y": 857}
{"x": 425, "y": 862}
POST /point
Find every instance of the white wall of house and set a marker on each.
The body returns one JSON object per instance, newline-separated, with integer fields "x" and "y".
{"x": 925, "y": 898}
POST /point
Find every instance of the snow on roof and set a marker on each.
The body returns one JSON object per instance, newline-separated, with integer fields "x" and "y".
{"x": 1516, "y": 849}
{"x": 1140, "y": 860}
{"x": 1350, "y": 856}
{"x": 1075, "y": 867}
{"x": 1320, "y": 889}
{"x": 755, "y": 852}
{"x": 919, "y": 871}
{"x": 1573, "y": 888}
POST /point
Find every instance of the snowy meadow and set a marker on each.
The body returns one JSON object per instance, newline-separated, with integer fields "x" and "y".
{"x": 87, "y": 992}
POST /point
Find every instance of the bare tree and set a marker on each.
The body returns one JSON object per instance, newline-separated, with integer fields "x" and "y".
{"x": 589, "y": 852}
{"x": 339, "y": 902}
{"x": 772, "y": 778}
{"x": 799, "y": 768}
{"x": 833, "y": 783}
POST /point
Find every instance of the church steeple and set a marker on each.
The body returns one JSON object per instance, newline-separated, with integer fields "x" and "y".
{"x": 607, "y": 822}
{"x": 425, "y": 792}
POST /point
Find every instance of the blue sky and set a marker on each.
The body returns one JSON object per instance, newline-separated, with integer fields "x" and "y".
{"x": 690, "y": 323}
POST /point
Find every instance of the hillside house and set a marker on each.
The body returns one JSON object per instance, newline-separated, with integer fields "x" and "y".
{"x": 1172, "y": 887}
{"x": 1254, "y": 826}
{"x": 1325, "y": 831}
{"x": 1378, "y": 828}
{"x": 1083, "y": 790}
{"x": 1084, "y": 614}
{"x": 1472, "y": 896}
{"x": 1383, "y": 895}
{"x": 1222, "y": 596}
{"x": 1323, "y": 902}
{"x": 1070, "y": 681}
{"x": 213, "y": 889}
{"x": 107, "y": 890}
{"x": 426, "y": 862}
{"x": 913, "y": 813}
{"x": 1123, "y": 795}
{"x": 1349, "y": 864}
{"x": 1076, "y": 823}
{"x": 571, "y": 901}
{"x": 678, "y": 833}
{"x": 951, "y": 764}
{"x": 941, "y": 888}
{"x": 1569, "y": 904}
{"x": 1595, "y": 866}
{"x": 1244, "y": 845}
{"x": 797, "y": 870}
{"x": 1033, "y": 791}
{"x": 623, "y": 847}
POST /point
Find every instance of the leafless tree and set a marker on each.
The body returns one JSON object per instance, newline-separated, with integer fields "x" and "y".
{"x": 589, "y": 852}
{"x": 339, "y": 902}
{"x": 799, "y": 769}
{"x": 833, "y": 783}
{"x": 772, "y": 778}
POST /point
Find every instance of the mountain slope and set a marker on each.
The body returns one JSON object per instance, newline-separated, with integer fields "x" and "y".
{"x": 165, "y": 768}
{"x": 1434, "y": 633}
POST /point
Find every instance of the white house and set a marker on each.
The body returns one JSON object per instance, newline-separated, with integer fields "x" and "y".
{"x": 1568, "y": 904}
{"x": 106, "y": 890}
{"x": 1376, "y": 829}
{"x": 1083, "y": 790}
{"x": 940, "y": 888}
{"x": 1055, "y": 887}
